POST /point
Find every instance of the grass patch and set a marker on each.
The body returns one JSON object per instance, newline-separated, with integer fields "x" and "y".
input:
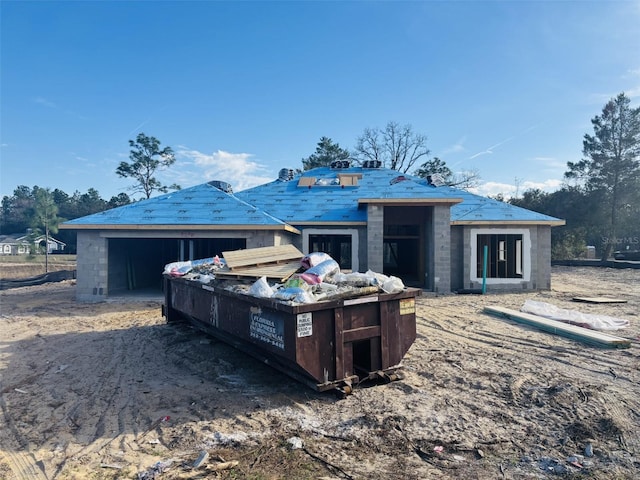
{"x": 38, "y": 259}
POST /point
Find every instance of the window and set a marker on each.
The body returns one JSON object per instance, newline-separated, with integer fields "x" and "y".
{"x": 338, "y": 246}
{"x": 504, "y": 255}
{"x": 341, "y": 243}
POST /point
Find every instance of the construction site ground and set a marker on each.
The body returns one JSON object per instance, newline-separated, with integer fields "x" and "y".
{"x": 111, "y": 391}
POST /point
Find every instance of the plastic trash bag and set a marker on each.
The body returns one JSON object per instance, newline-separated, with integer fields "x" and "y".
{"x": 178, "y": 269}
{"x": 587, "y": 320}
{"x": 324, "y": 269}
{"x": 314, "y": 259}
{"x": 294, "y": 294}
{"x": 261, "y": 289}
{"x": 392, "y": 285}
{"x": 355, "y": 279}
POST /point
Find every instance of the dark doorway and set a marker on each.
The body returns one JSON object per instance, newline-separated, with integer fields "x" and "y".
{"x": 406, "y": 242}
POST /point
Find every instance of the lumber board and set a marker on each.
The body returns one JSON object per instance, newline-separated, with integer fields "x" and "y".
{"x": 261, "y": 256}
{"x": 598, "y": 300}
{"x": 280, "y": 271}
{"x": 560, "y": 328}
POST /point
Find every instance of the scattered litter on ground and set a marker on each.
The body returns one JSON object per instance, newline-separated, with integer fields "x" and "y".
{"x": 203, "y": 457}
{"x": 295, "y": 442}
{"x": 154, "y": 472}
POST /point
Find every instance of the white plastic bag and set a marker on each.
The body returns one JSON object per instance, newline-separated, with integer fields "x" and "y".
{"x": 587, "y": 320}
{"x": 392, "y": 285}
{"x": 261, "y": 289}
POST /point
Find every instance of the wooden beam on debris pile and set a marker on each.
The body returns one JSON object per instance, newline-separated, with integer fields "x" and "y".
{"x": 280, "y": 272}
{"x": 255, "y": 257}
{"x": 573, "y": 332}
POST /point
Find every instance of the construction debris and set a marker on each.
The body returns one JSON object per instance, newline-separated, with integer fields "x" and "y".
{"x": 553, "y": 326}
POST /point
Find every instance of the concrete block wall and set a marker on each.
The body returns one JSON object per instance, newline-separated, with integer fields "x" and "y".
{"x": 92, "y": 275}
{"x": 533, "y": 283}
{"x": 544, "y": 257}
{"x": 457, "y": 257}
{"x": 375, "y": 238}
{"x": 442, "y": 248}
{"x": 265, "y": 238}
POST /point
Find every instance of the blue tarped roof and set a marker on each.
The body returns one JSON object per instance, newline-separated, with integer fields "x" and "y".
{"x": 283, "y": 203}
{"x": 476, "y": 208}
{"x": 200, "y": 205}
{"x": 327, "y": 201}
{"x": 298, "y": 204}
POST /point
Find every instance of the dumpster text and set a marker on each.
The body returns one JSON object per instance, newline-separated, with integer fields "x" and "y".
{"x": 266, "y": 329}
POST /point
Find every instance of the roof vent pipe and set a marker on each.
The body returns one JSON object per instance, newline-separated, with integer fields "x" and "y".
{"x": 371, "y": 164}
{"x": 436, "y": 180}
{"x": 220, "y": 185}
{"x": 285, "y": 174}
{"x": 340, "y": 164}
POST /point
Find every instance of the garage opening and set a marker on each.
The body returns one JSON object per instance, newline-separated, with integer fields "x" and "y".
{"x": 137, "y": 264}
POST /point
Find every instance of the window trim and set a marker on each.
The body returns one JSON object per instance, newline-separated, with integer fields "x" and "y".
{"x": 526, "y": 254}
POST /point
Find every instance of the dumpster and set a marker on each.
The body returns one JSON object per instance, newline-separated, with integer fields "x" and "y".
{"x": 326, "y": 345}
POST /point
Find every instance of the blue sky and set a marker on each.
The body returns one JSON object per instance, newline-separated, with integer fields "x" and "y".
{"x": 242, "y": 89}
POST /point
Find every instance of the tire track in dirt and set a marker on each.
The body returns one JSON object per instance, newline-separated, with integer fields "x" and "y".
{"x": 580, "y": 358}
{"x": 22, "y": 465}
{"x": 115, "y": 403}
{"x": 15, "y": 450}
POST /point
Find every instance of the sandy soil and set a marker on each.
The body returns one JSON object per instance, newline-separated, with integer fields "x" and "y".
{"x": 111, "y": 391}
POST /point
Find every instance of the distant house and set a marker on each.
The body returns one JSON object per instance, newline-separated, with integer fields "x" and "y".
{"x": 14, "y": 244}
{"x": 19, "y": 244}
{"x": 433, "y": 237}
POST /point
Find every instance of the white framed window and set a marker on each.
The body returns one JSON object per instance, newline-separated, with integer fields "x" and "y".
{"x": 502, "y": 250}
{"x": 508, "y": 255}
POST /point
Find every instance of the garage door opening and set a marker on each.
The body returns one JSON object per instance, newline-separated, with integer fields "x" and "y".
{"x": 137, "y": 264}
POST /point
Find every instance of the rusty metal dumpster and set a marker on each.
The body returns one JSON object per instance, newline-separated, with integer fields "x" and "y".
{"x": 326, "y": 345}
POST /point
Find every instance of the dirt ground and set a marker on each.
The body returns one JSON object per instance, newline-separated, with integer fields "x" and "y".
{"x": 110, "y": 391}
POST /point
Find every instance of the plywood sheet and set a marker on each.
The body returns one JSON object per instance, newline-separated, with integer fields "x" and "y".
{"x": 279, "y": 272}
{"x": 599, "y": 300}
{"x": 306, "y": 181}
{"x": 262, "y": 256}
{"x": 564, "y": 329}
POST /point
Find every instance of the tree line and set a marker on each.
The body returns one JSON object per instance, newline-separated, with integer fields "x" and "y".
{"x": 39, "y": 209}
{"x": 600, "y": 197}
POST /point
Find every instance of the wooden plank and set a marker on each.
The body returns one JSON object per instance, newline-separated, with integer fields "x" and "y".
{"x": 564, "y": 329}
{"x": 338, "y": 321}
{"x": 598, "y": 300}
{"x": 361, "y": 333}
{"x": 280, "y": 272}
{"x": 383, "y": 317}
{"x": 261, "y": 256}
